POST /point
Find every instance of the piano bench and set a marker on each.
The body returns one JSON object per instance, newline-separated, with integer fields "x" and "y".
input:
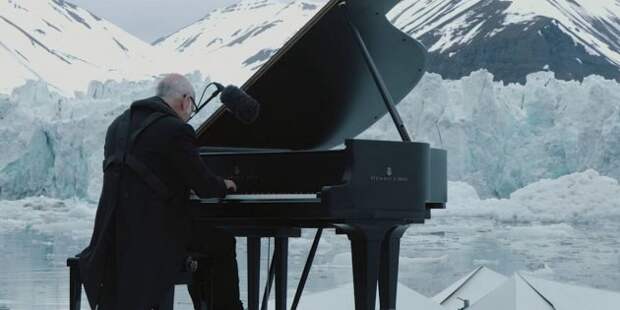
{"x": 184, "y": 277}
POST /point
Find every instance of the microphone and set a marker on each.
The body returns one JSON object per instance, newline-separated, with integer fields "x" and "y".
{"x": 242, "y": 106}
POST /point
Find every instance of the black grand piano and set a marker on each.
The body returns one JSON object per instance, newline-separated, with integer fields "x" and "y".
{"x": 298, "y": 165}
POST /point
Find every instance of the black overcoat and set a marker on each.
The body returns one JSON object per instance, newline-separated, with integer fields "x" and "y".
{"x": 141, "y": 236}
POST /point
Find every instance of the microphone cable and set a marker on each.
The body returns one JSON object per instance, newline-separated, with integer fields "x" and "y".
{"x": 203, "y": 104}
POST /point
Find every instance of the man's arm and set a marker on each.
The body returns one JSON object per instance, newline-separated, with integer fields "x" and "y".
{"x": 186, "y": 160}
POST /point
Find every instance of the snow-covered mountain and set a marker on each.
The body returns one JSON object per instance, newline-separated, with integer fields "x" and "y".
{"x": 573, "y": 38}
{"x": 509, "y": 38}
{"x": 45, "y": 40}
{"x": 67, "y": 47}
{"x": 232, "y": 42}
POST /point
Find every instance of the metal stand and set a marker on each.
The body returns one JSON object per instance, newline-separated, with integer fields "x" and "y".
{"x": 306, "y": 271}
{"x": 269, "y": 284}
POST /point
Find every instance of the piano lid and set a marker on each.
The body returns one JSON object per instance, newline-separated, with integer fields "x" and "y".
{"x": 317, "y": 90}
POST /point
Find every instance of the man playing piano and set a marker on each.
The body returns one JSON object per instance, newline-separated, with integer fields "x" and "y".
{"x": 142, "y": 227}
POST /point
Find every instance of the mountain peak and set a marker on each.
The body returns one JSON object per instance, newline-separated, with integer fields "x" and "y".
{"x": 230, "y": 43}
{"x": 509, "y": 38}
{"x": 467, "y": 35}
{"x": 66, "y": 46}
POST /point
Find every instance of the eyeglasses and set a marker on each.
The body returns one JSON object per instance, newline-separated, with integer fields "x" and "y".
{"x": 194, "y": 106}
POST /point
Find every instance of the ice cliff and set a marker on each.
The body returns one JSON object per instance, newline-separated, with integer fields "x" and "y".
{"x": 499, "y": 137}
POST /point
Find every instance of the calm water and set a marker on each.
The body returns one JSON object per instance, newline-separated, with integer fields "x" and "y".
{"x": 33, "y": 273}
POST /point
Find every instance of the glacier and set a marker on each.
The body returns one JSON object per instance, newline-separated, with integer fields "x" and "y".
{"x": 499, "y": 137}
{"x": 53, "y": 145}
{"x": 502, "y": 137}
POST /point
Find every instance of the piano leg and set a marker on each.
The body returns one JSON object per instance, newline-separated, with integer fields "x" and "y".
{"x": 75, "y": 284}
{"x": 253, "y": 247}
{"x": 281, "y": 248}
{"x": 366, "y": 240}
{"x": 388, "y": 276}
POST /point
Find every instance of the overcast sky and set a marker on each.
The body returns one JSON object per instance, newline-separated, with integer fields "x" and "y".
{"x": 151, "y": 19}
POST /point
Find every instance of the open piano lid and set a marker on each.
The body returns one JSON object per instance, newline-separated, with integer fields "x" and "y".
{"x": 317, "y": 90}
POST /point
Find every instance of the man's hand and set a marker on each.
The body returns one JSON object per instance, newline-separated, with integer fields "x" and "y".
{"x": 230, "y": 185}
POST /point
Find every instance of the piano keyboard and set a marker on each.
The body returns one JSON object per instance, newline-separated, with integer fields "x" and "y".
{"x": 270, "y": 196}
{"x": 263, "y": 198}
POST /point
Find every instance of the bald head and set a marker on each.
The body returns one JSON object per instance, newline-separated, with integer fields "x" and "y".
{"x": 176, "y": 90}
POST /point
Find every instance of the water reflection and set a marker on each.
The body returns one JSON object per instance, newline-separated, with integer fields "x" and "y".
{"x": 33, "y": 273}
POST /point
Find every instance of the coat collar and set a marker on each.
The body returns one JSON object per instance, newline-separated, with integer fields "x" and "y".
{"x": 156, "y": 104}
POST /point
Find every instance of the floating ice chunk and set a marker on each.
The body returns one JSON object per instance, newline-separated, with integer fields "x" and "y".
{"x": 71, "y": 217}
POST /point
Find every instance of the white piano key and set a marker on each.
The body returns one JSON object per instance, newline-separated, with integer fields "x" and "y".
{"x": 270, "y": 196}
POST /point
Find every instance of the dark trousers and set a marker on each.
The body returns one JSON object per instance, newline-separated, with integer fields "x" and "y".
{"x": 218, "y": 268}
{"x": 167, "y": 302}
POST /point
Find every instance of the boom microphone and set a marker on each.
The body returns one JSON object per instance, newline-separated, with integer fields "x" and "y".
{"x": 242, "y": 106}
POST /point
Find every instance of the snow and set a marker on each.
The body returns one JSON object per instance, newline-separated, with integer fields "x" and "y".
{"x": 232, "y": 42}
{"x": 560, "y": 9}
{"x": 413, "y": 16}
{"x": 576, "y": 15}
{"x": 591, "y": 24}
{"x": 45, "y": 40}
{"x": 590, "y": 197}
{"x": 455, "y": 33}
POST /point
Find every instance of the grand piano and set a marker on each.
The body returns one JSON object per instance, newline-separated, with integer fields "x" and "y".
{"x": 299, "y": 166}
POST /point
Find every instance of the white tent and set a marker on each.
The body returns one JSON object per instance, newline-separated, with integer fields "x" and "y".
{"x": 341, "y": 298}
{"x": 514, "y": 294}
{"x": 572, "y": 297}
{"x": 471, "y": 287}
{"x": 485, "y": 289}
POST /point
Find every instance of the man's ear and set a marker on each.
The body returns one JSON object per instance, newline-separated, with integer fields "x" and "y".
{"x": 184, "y": 104}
